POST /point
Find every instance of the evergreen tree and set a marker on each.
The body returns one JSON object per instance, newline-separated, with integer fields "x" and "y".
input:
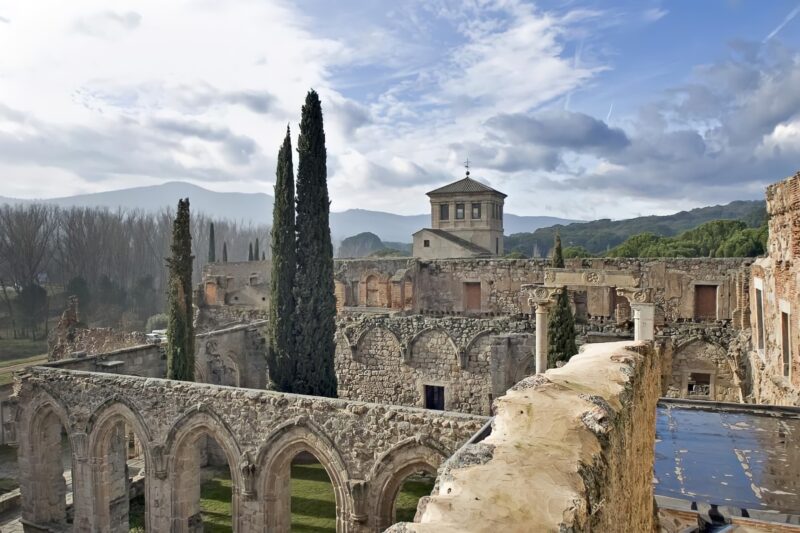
{"x": 212, "y": 245}
{"x": 281, "y": 304}
{"x": 224, "y": 252}
{"x": 180, "y": 329}
{"x": 314, "y": 291}
{"x": 558, "y": 254}
{"x": 256, "y": 253}
{"x": 561, "y": 331}
{"x": 250, "y": 252}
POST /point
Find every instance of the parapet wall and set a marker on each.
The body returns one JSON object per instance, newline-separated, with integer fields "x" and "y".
{"x": 570, "y": 450}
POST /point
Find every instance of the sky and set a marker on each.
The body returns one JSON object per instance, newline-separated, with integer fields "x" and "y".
{"x": 580, "y": 109}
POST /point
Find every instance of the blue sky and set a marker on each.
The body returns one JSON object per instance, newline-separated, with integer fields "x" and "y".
{"x": 582, "y": 109}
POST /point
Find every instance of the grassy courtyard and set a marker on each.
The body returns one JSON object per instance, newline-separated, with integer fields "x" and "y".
{"x": 313, "y": 503}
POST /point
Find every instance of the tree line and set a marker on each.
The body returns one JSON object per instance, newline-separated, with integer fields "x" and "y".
{"x": 113, "y": 260}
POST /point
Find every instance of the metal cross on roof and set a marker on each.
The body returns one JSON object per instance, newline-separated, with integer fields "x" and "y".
{"x": 466, "y": 165}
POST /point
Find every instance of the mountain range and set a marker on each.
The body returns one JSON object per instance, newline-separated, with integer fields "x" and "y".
{"x": 257, "y": 208}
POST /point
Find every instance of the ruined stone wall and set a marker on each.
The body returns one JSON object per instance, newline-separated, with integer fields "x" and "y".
{"x": 90, "y": 341}
{"x": 392, "y": 359}
{"x": 691, "y": 350}
{"x": 234, "y": 356}
{"x": 241, "y": 283}
{"x": 440, "y": 284}
{"x": 146, "y": 360}
{"x": 366, "y": 449}
{"x": 774, "y": 363}
{"x": 571, "y": 450}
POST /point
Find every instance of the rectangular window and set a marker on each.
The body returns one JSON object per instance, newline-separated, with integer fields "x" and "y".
{"x": 699, "y": 385}
{"x": 705, "y": 302}
{"x": 459, "y": 211}
{"x": 500, "y": 212}
{"x": 786, "y": 343}
{"x": 476, "y": 211}
{"x": 355, "y": 293}
{"x": 434, "y": 397}
{"x": 472, "y": 296}
{"x": 444, "y": 212}
{"x": 760, "y": 319}
{"x": 497, "y": 246}
{"x": 426, "y": 243}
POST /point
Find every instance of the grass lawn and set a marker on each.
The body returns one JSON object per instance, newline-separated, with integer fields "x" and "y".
{"x": 313, "y": 503}
{"x": 11, "y": 350}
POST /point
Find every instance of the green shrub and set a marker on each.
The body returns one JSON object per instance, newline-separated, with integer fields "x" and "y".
{"x": 158, "y": 321}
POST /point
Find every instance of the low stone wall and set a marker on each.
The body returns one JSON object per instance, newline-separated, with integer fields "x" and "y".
{"x": 570, "y": 450}
{"x": 146, "y": 360}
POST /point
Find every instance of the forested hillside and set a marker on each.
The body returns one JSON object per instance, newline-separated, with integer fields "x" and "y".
{"x": 599, "y": 237}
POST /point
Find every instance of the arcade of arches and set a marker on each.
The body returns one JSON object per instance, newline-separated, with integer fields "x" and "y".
{"x": 366, "y": 450}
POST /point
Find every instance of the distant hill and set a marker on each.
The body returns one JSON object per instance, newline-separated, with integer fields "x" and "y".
{"x": 257, "y": 208}
{"x": 601, "y": 235}
{"x": 247, "y": 207}
{"x": 368, "y": 244}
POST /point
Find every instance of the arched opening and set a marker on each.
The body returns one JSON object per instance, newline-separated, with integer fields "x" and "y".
{"x": 403, "y": 491}
{"x": 304, "y": 484}
{"x": 205, "y": 487}
{"x": 51, "y": 470}
{"x": 373, "y": 292}
{"x": 313, "y": 504}
{"x": 399, "y": 479}
{"x": 117, "y": 459}
{"x": 223, "y": 370}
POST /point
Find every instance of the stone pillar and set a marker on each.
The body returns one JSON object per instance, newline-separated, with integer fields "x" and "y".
{"x": 542, "y": 342}
{"x": 82, "y": 497}
{"x": 643, "y": 321}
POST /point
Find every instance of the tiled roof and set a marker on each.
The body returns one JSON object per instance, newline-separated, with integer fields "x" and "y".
{"x": 467, "y": 245}
{"x": 465, "y": 185}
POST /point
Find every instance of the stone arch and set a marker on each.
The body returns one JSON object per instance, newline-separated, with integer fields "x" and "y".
{"x": 368, "y": 331}
{"x": 183, "y": 466}
{"x": 699, "y": 357}
{"x": 372, "y": 285}
{"x": 110, "y": 498}
{"x": 477, "y": 337}
{"x": 392, "y": 468}
{"x": 42, "y": 482}
{"x": 432, "y": 330}
{"x": 274, "y": 461}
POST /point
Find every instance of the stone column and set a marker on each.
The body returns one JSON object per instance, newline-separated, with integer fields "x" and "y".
{"x": 542, "y": 341}
{"x": 643, "y": 321}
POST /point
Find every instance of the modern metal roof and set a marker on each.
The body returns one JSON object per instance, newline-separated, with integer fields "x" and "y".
{"x": 739, "y": 456}
{"x": 466, "y": 185}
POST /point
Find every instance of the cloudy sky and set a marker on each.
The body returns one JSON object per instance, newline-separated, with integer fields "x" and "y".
{"x": 582, "y": 109}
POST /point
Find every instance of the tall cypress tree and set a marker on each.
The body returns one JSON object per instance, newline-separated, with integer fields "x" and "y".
{"x": 558, "y": 253}
{"x": 561, "y": 331}
{"x": 281, "y": 304}
{"x": 250, "y": 252}
{"x": 314, "y": 290}
{"x": 256, "y": 253}
{"x": 212, "y": 245}
{"x": 224, "y": 252}
{"x": 180, "y": 329}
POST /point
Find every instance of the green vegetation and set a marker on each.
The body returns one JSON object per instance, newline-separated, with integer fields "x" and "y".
{"x": 17, "y": 350}
{"x": 719, "y": 238}
{"x": 561, "y": 325}
{"x": 284, "y": 265}
{"x": 180, "y": 330}
{"x": 224, "y": 252}
{"x": 212, "y": 245}
{"x": 159, "y": 321}
{"x": 412, "y": 490}
{"x": 599, "y": 236}
{"x": 315, "y": 303}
